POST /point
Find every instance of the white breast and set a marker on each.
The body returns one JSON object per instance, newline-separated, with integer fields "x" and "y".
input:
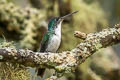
{"x": 55, "y": 40}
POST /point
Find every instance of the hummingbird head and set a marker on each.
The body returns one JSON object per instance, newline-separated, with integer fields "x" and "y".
{"x": 54, "y": 22}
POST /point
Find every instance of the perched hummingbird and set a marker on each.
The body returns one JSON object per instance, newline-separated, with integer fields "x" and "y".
{"x": 52, "y": 39}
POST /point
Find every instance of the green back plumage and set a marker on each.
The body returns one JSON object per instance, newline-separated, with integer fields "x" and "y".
{"x": 47, "y": 36}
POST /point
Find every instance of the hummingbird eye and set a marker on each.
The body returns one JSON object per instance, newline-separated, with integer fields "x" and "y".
{"x": 57, "y": 19}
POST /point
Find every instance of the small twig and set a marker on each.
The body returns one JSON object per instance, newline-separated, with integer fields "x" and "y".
{"x": 80, "y": 35}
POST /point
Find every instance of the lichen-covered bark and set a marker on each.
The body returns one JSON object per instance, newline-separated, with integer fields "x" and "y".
{"x": 66, "y": 61}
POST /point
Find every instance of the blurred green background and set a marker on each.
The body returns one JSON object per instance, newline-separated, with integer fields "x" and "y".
{"x": 25, "y": 21}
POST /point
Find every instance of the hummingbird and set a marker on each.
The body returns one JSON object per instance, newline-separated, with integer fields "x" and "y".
{"x": 52, "y": 38}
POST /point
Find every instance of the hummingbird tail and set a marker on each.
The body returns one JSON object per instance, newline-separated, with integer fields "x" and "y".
{"x": 41, "y": 72}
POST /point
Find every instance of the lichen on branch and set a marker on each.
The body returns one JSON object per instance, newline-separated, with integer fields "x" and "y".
{"x": 67, "y": 61}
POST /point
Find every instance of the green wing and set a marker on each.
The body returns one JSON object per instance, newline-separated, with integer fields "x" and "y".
{"x": 45, "y": 41}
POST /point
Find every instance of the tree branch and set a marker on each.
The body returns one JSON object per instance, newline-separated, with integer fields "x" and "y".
{"x": 66, "y": 61}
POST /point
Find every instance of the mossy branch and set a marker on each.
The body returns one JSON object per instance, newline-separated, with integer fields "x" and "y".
{"x": 67, "y": 61}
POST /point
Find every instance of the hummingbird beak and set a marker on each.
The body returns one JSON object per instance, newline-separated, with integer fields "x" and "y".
{"x": 62, "y": 18}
